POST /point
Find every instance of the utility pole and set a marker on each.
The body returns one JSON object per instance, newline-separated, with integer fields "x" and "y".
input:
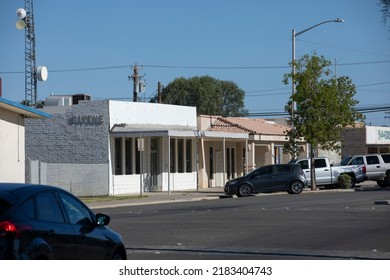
{"x": 135, "y": 77}
{"x": 138, "y": 83}
{"x": 159, "y": 93}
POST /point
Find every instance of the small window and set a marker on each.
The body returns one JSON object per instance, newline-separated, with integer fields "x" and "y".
{"x": 386, "y": 158}
{"x": 304, "y": 164}
{"x": 265, "y": 171}
{"x": 28, "y": 208}
{"x": 4, "y": 206}
{"x": 357, "y": 161}
{"x": 47, "y": 208}
{"x": 77, "y": 213}
{"x": 283, "y": 169}
{"x": 372, "y": 160}
{"x": 320, "y": 163}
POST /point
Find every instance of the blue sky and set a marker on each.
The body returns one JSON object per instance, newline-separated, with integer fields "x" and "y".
{"x": 247, "y": 42}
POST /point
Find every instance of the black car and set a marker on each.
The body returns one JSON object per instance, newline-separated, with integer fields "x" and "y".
{"x": 269, "y": 178}
{"x": 45, "y": 222}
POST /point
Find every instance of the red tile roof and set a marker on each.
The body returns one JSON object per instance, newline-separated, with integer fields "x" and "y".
{"x": 247, "y": 125}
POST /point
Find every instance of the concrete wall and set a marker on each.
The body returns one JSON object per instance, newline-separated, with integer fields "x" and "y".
{"x": 12, "y": 151}
{"x": 152, "y": 114}
{"x": 75, "y": 145}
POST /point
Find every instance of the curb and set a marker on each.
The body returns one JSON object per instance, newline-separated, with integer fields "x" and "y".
{"x": 164, "y": 201}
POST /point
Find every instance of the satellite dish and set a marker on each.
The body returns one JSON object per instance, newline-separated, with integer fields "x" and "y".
{"x": 42, "y": 73}
{"x": 20, "y": 25}
{"x": 21, "y": 13}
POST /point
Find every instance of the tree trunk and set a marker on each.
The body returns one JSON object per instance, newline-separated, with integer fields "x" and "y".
{"x": 312, "y": 169}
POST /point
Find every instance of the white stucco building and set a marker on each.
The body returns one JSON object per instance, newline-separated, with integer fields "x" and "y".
{"x": 12, "y": 139}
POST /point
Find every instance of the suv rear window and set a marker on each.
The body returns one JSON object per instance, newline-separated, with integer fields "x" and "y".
{"x": 372, "y": 160}
{"x": 4, "y": 206}
{"x": 386, "y": 158}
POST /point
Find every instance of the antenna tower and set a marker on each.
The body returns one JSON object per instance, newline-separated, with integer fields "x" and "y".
{"x": 32, "y": 73}
{"x": 29, "y": 55}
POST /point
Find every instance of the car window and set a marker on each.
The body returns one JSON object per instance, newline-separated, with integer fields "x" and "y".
{"x": 77, "y": 213}
{"x": 357, "y": 161}
{"x": 4, "y": 206}
{"x": 386, "y": 158}
{"x": 345, "y": 161}
{"x": 320, "y": 163}
{"x": 264, "y": 171}
{"x": 28, "y": 208}
{"x": 372, "y": 160}
{"x": 47, "y": 208}
{"x": 304, "y": 164}
{"x": 283, "y": 169}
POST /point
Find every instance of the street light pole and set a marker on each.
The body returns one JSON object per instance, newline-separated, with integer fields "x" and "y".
{"x": 294, "y": 35}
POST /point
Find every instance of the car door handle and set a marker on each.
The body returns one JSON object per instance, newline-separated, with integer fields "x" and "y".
{"x": 51, "y": 233}
{"x": 326, "y": 169}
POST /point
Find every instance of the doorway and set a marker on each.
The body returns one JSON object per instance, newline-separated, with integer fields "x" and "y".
{"x": 154, "y": 164}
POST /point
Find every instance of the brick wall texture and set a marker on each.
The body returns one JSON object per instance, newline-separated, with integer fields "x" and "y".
{"x": 75, "y": 145}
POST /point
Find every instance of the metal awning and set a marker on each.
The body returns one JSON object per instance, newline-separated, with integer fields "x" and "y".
{"x": 124, "y": 130}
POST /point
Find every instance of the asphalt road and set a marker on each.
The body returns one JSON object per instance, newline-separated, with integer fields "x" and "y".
{"x": 321, "y": 225}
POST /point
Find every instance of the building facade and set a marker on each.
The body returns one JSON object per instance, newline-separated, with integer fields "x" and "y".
{"x": 107, "y": 147}
{"x": 365, "y": 140}
{"x": 114, "y": 147}
{"x": 12, "y": 139}
{"x": 232, "y": 146}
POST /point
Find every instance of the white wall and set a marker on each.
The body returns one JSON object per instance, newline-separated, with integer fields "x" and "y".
{"x": 151, "y": 114}
{"x": 12, "y": 151}
{"x": 378, "y": 135}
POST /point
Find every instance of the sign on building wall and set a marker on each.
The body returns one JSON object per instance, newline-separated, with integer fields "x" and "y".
{"x": 378, "y": 135}
{"x": 86, "y": 120}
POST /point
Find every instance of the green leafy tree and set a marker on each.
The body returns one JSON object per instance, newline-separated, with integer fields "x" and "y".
{"x": 324, "y": 106}
{"x": 209, "y": 95}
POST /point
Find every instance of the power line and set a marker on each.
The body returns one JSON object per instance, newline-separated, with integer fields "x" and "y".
{"x": 363, "y": 110}
{"x": 188, "y": 67}
{"x": 342, "y": 48}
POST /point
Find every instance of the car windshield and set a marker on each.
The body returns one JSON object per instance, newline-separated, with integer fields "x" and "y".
{"x": 345, "y": 161}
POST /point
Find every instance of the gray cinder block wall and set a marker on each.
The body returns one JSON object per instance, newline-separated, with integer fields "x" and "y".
{"x": 354, "y": 141}
{"x": 74, "y": 143}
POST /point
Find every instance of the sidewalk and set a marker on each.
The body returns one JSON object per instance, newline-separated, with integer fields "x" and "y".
{"x": 163, "y": 197}
{"x": 203, "y": 194}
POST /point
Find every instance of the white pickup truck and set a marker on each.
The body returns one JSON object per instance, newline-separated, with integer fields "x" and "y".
{"x": 327, "y": 174}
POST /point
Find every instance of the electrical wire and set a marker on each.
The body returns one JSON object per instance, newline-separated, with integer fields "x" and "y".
{"x": 186, "y": 67}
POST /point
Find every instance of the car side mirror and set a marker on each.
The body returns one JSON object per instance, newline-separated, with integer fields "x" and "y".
{"x": 102, "y": 219}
